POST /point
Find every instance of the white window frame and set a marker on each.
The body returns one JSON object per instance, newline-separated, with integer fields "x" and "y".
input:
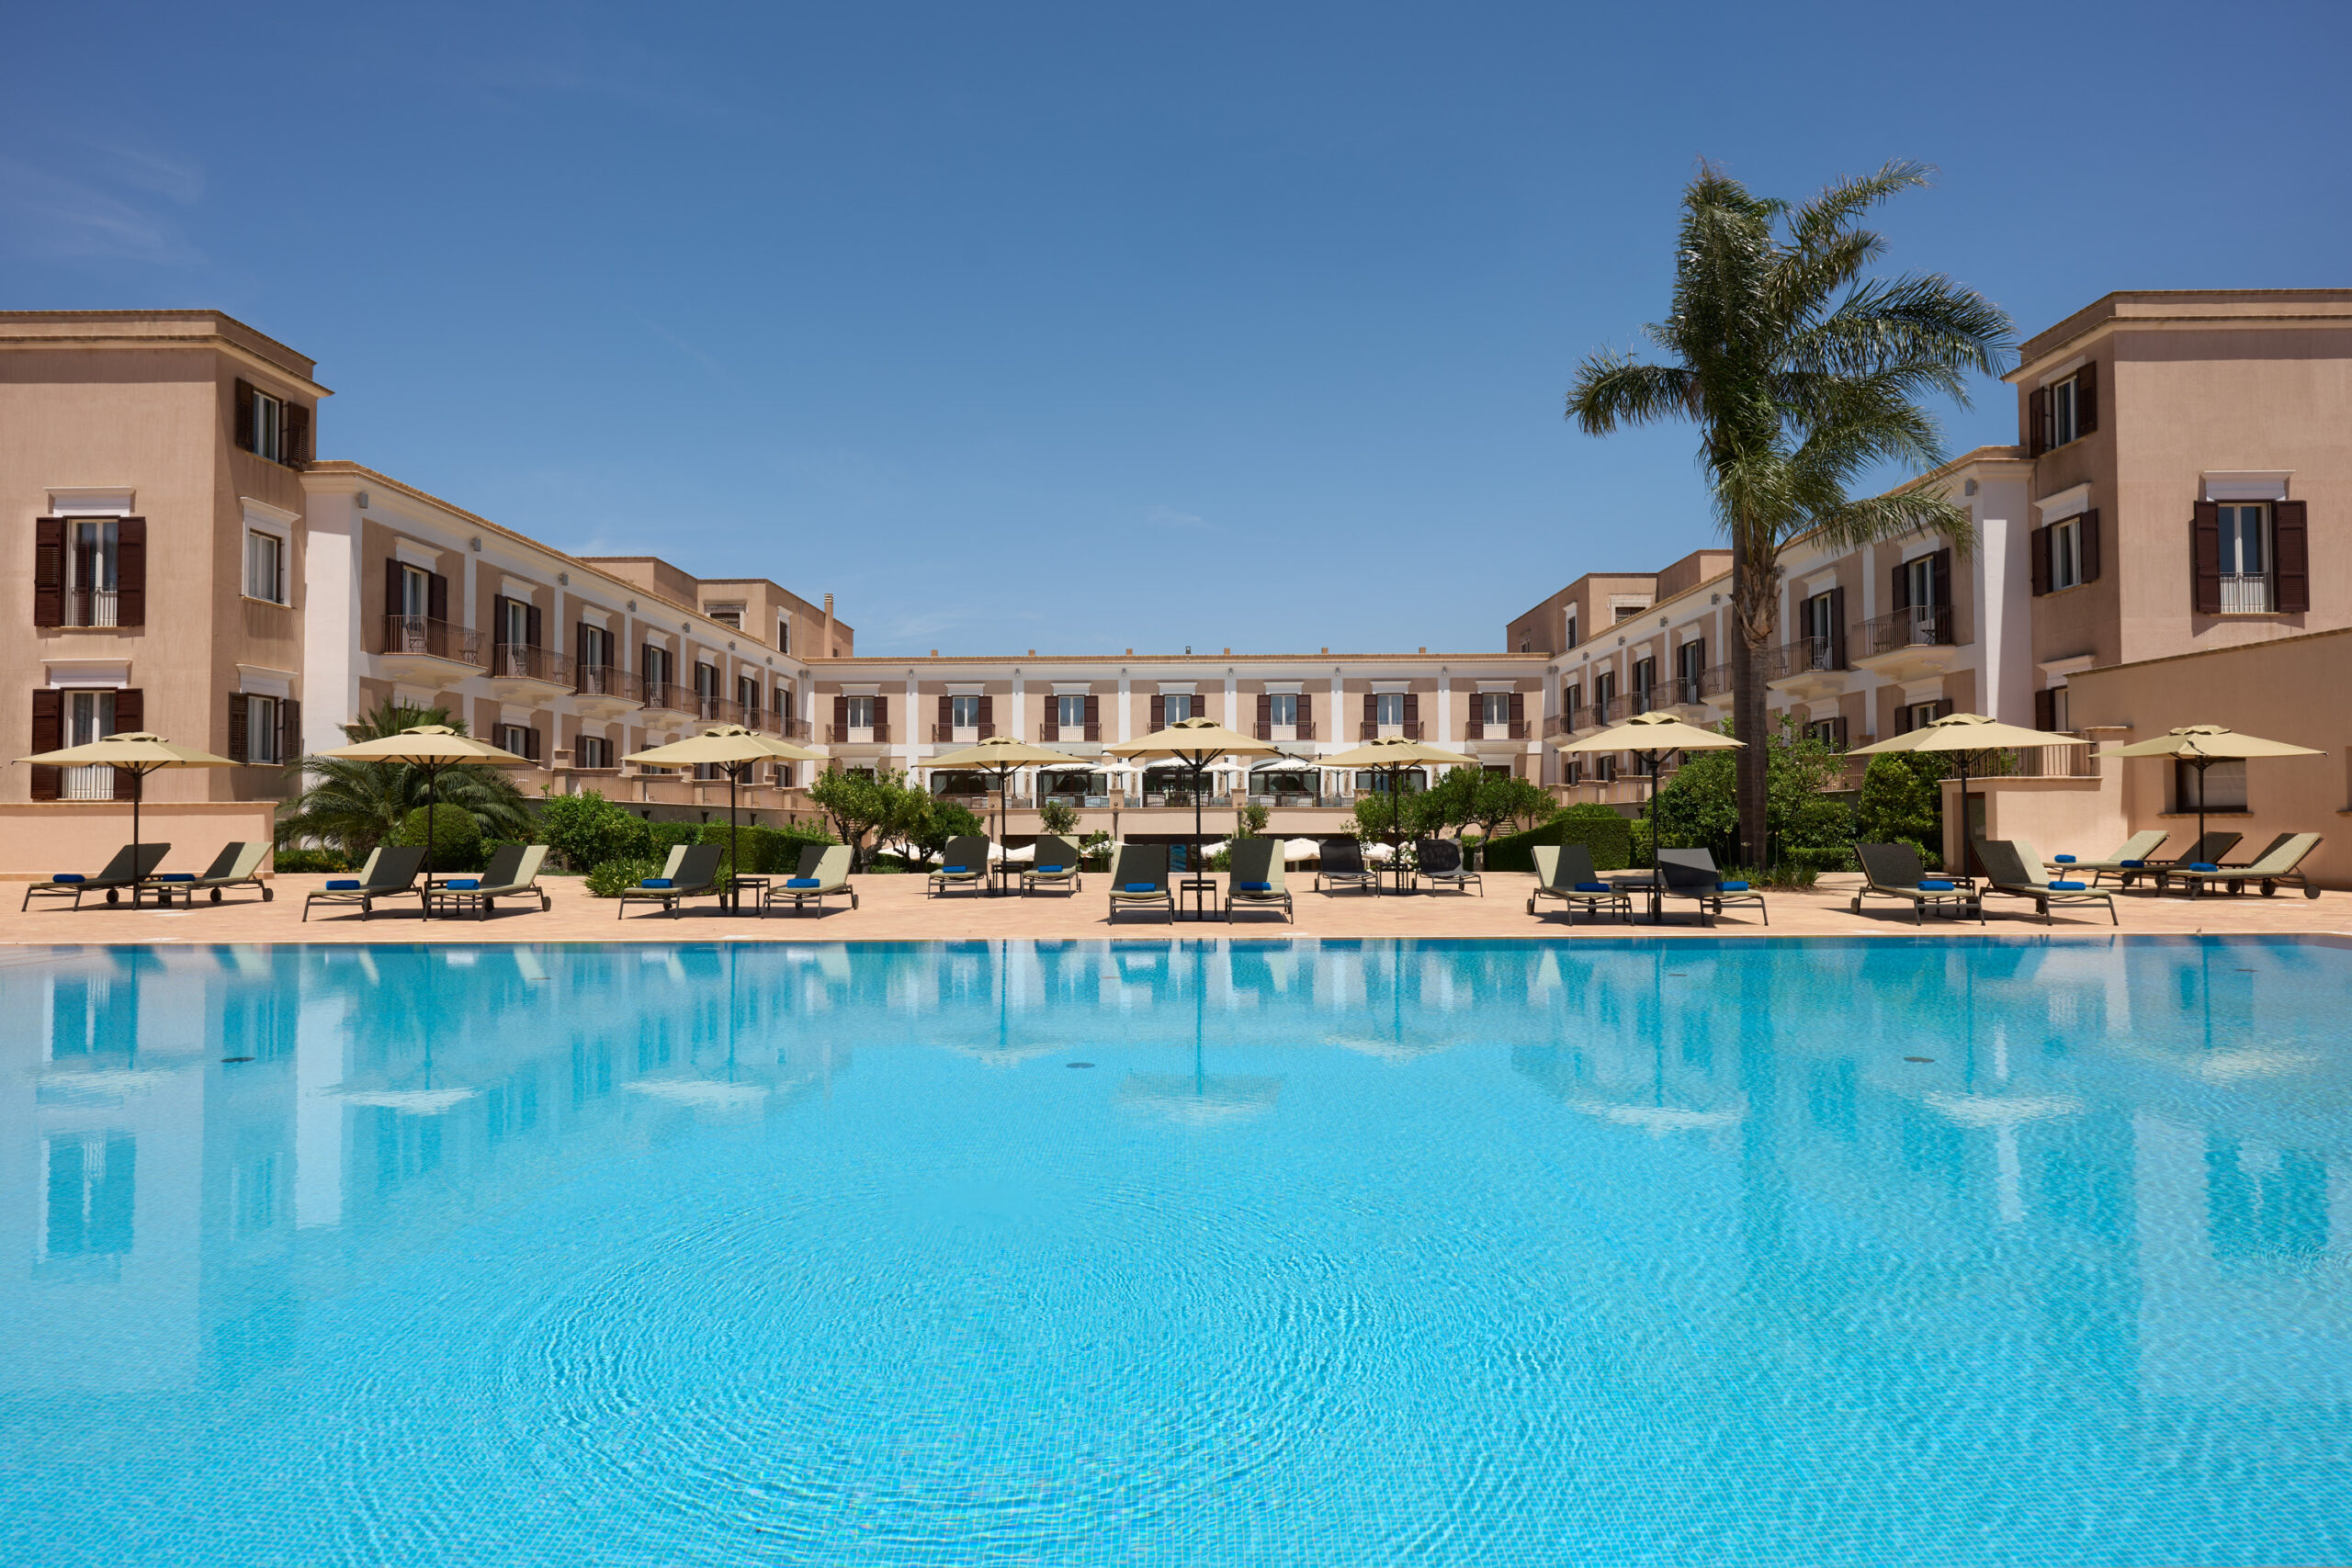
{"x": 2061, "y": 421}
{"x": 269, "y": 427}
{"x": 2066, "y": 541}
{"x": 963, "y": 711}
{"x": 262, "y": 716}
{"x": 278, "y": 592}
{"x": 1167, "y": 701}
{"x": 1281, "y": 707}
{"x": 592, "y": 751}
{"x": 2247, "y": 592}
{"x": 1069, "y": 710}
{"x": 860, "y": 712}
{"x": 107, "y": 550}
{"x": 1494, "y": 708}
{"x": 511, "y": 738}
{"x": 1388, "y": 708}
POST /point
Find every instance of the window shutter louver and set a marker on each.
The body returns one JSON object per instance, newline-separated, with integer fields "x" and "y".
{"x": 1306, "y": 708}
{"x": 130, "y": 572}
{"x": 498, "y": 603}
{"x": 2291, "y": 552}
{"x": 2086, "y": 399}
{"x": 1093, "y": 717}
{"x": 2089, "y": 532}
{"x": 1943, "y": 707}
{"x": 1943, "y": 578}
{"x": 2045, "y": 709}
{"x": 241, "y": 742}
{"x": 392, "y": 586}
{"x": 579, "y": 656}
{"x": 2037, "y": 421}
{"x": 532, "y": 624}
{"x": 531, "y": 743}
{"x": 289, "y": 730}
{"x": 841, "y": 717}
{"x": 881, "y": 715}
{"x": 1901, "y": 598}
{"x": 244, "y": 415}
{"x": 49, "y": 573}
{"x": 1837, "y": 631}
{"x": 2205, "y": 556}
{"x": 49, "y": 735}
{"x": 130, "y": 715}
{"x": 1265, "y": 707}
{"x": 2037, "y": 560}
{"x": 437, "y": 598}
{"x": 946, "y": 711}
{"x": 1412, "y": 707}
{"x": 1518, "y": 708}
{"x": 987, "y": 713}
{"x": 297, "y": 445}
{"x": 1158, "y": 713}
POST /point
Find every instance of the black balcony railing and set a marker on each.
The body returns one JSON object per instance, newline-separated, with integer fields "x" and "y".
{"x": 1803, "y": 655}
{"x": 423, "y": 637}
{"x": 605, "y": 680}
{"x": 790, "y": 728}
{"x": 520, "y": 661}
{"x": 1921, "y": 625}
{"x": 671, "y": 698}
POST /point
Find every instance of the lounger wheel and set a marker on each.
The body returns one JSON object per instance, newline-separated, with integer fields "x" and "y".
{"x": 114, "y": 896}
{"x": 2308, "y": 892}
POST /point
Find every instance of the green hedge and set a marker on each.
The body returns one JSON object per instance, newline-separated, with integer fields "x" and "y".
{"x": 767, "y": 851}
{"x": 1609, "y": 838}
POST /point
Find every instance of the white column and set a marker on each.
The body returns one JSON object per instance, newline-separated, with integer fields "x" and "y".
{"x": 1125, "y": 688}
{"x": 1444, "y": 707}
{"x": 1233, "y": 702}
{"x": 1020, "y": 691}
{"x": 332, "y": 629}
{"x": 908, "y": 748}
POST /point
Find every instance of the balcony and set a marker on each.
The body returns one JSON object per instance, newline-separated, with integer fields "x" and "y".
{"x": 1052, "y": 734}
{"x": 961, "y": 734}
{"x": 1410, "y": 729}
{"x": 420, "y": 649}
{"x": 857, "y": 735}
{"x": 1805, "y": 668}
{"x": 1715, "y": 688}
{"x": 520, "y": 673}
{"x": 1909, "y": 645}
{"x": 2247, "y": 593}
{"x": 1303, "y": 730}
{"x": 710, "y": 709}
{"x": 789, "y": 729}
{"x": 1487, "y": 730}
{"x": 602, "y": 693}
{"x": 91, "y": 607}
{"x": 666, "y": 702}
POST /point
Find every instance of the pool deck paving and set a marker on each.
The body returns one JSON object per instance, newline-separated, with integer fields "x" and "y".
{"x": 896, "y": 907}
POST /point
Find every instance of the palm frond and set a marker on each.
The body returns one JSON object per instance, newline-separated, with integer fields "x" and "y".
{"x": 1611, "y": 389}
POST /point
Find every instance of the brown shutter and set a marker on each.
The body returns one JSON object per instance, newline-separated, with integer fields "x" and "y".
{"x": 1837, "y": 632}
{"x": 579, "y": 663}
{"x": 2045, "y": 708}
{"x": 1306, "y": 708}
{"x": 1412, "y": 707}
{"x": 1900, "y": 598}
{"x": 531, "y": 743}
{"x": 392, "y": 586}
{"x": 2037, "y": 419}
{"x": 1518, "y": 708}
{"x": 1158, "y": 713}
{"x": 1371, "y": 707}
{"x": 2290, "y": 554}
{"x": 1093, "y": 717}
{"x": 882, "y": 718}
{"x": 240, "y": 745}
{"x": 2086, "y": 399}
{"x": 1942, "y": 569}
{"x": 2089, "y": 531}
{"x": 130, "y": 572}
{"x": 988, "y": 711}
{"x": 49, "y": 735}
{"x": 437, "y": 598}
{"x": 841, "y": 717}
{"x": 533, "y": 624}
{"x": 130, "y": 715}
{"x": 296, "y": 447}
{"x": 946, "y": 711}
{"x": 1943, "y": 707}
{"x": 244, "y": 416}
{"x": 2037, "y": 559}
{"x": 2205, "y": 556}
{"x": 1265, "y": 707}
{"x": 498, "y": 603}
{"x": 289, "y": 729}
{"x": 49, "y": 574}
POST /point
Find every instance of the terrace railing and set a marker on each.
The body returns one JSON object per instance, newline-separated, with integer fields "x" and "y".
{"x": 423, "y": 637}
{"x": 1919, "y": 625}
{"x": 520, "y": 661}
{"x": 606, "y": 681}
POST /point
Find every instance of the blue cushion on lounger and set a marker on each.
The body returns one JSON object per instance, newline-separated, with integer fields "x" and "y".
{"x": 657, "y": 881}
{"x": 2203, "y": 866}
{"x": 1732, "y": 886}
{"x": 173, "y": 876}
{"x": 1595, "y": 887}
{"x": 462, "y": 884}
{"x": 1255, "y": 886}
{"x": 952, "y": 870}
{"x": 802, "y": 882}
{"x": 2134, "y": 864}
{"x": 69, "y": 876}
{"x": 1142, "y": 887}
{"x": 1935, "y": 887}
{"x": 343, "y": 885}
{"x": 1043, "y": 869}
{"x": 2071, "y": 886}
{"x": 2064, "y": 860}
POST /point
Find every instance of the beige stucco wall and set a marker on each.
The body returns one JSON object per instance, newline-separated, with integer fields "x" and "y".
{"x": 38, "y": 839}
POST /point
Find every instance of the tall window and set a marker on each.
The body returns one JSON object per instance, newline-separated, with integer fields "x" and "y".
{"x": 657, "y": 668}
{"x": 1690, "y": 669}
{"x": 1645, "y": 680}
{"x": 860, "y": 713}
{"x": 417, "y": 591}
{"x": 2062, "y": 408}
{"x": 89, "y": 715}
{"x": 1818, "y": 616}
{"x": 262, "y": 727}
{"x": 783, "y": 633}
{"x": 1494, "y": 708}
{"x": 2065, "y": 543}
{"x": 91, "y": 561}
{"x": 593, "y": 751}
{"x": 1069, "y": 709}
{"x": 1828, "y": 731}
{"x": 516, "y": 737}
{"x": 2219, "y": 787}
{"x": 1916, "y": 716}
{"x": 1388, "y": 708}
{"x": 269, "y": 427}
{"x": 2246, "y": 559}
{"x": 1281, "y": 707}
{"x": 1572, "y": 628}
{"x": 964, "y": 713}
{"x": 1925, "y": 592}
{"x": 595, "y": 648}
{"x": 265, "y": 565}
{"x": 514, "y": 626}
{"x": 1176, "y": 706}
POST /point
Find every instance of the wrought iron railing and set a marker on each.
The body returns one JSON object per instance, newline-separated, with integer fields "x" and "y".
{"x": 944, "y": 734}
{"x": 2242, "y": 594}
{"x": 1800, "y": 655}
{"x": 606, "y": 681}
{"x": 670, "y": 697}
{"x": 520, "y": 661}
{"x": 91, "y": 607}
{"x": 1921, "y": 625}
{"x": 421, "y": 636}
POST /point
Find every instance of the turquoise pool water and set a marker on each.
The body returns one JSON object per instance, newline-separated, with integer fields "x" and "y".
{"x": 1329, "y": 1253}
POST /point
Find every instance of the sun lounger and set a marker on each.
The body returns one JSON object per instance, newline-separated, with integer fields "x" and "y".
{"x": 1692, "y": 873}
{"x": 512, "y": 873}
{"x": 693, "y": 873}
{"x": 824, "y": 874}
{"x": 1892, "y": 871}
{"x": 2011, "y": 867}
{"x": 1139, "y": 880}
{"x": 237, "y": 865}
{"x": 129, "y": 868}
{"x": 2278, "y": 866}
{"x": 1256, "y": 881}
{"x": 1440, "y": 860}
{"x": 2129, "y": 856}
{"x": 2210, "y": 849}
{"x": 965, "y": 863}
{"x": 1341, "y": 864}
{"x": 1564, "y": 875}
{"x": 1054, "y": 865}
{"x": 392, "y": 873}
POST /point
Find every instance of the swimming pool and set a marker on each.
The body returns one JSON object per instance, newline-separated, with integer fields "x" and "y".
{"x": 1168, "y": 1252}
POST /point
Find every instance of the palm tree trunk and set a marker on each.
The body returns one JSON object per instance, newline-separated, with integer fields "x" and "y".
{"x": 1752, "y": 618}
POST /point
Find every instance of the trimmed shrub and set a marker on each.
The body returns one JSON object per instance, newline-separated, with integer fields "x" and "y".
{"x": 1839, "y": 857}
{"x": 301, "y": 862}
{"x": 457, "y": 837}
{"x": 615, "y": 878}
{"x": 1609, "y": 836}
{"x": 586, "y": 830}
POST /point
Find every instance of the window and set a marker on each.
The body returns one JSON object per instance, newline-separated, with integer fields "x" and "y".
{"x": 265, "y": 565}
{"x": 1916, "y": 716}
{"x": 1818, "y": 616}
{"x": 2058, "y": 422}
{"x": 1922, "y": 590}
{"x": 1494, "y": 708}
{"x": 1069, "y": 709}
{"x": 271, "y": 428}
{"x": 783, "y": 633}
{"x": 593, "y": 751}
{"x": 2246, "y": 559}
{"x": 2066, "y": 554}
{"x": 729, "y": 615}
{"x": 1645, "y": 680}
{"x": 514, "y": 738}
{"x": 2063, "y": 412}
{"x": 1281, "y": 707}
{"x": 1526, "y": 643}
{"x": 2220, "y": 786}
{"x": 416, "y": 590}
{"x": 89, "y": 715}
{"x": 747, "y": 695}
{"x": 1572, "y": 628}
{"x": 1176, "y": 706}
{"x": 262, "y": 716}
{"x": 595, "y": 648}
{"x": 657, "y": 668}
{"x": 860, "y": 713}
{"x": 1691, "y": 667}
{"x": 1828, "y": 731}
{"x": 964, "y": 711}
{"x": 513, "y": 628}
{"x": 268, "y": 416}
{"x": 1388, "y": 708}
{"x": 91, "y": 559}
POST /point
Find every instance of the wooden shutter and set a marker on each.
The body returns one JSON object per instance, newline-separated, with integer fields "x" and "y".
{"x": 1093, "y": 717}
{"x": 881, "y": 716}
{"x": 2037, "y": 420}
{"x": 1412, "y": 707}
{"x": 49, "y": 574}
{"x": 2088, "y": 529}
{"x": 1900, "y": 598}
{"x": 1372, "y": 708}
{"x": 437, "y": 597}
{"x": 579, "y": 656}
{"x": 243, "y": 414}
{"x": 241, "y": 743}
{"x": 1943, "y": 707}
{"x": 1837, "y": 631}
{"x": 130, "y": 715}
{"x": 531, "y": 743}
{"x": 131, "y": 571}
{"x": 1942, "y": 570}
{"x": 49, "y": 735}
{"x": 841, "y": 717}
{"x": 2205, "y": 556}
{"x": 498, "y": 603}
{"x": 296, "y": 446}
{"x": 1518, "y": 708}
{"x": 2037, "y": 560}
{"x": 392, "y": 586}
{"x": 289, "y": 729}
{"x": 987, "y": 713}
{"x": 533, "y": 623}
{"x": 1265, "y": 707}
{"x": 946, "y": 711}
{"x": 2290, "y": 555}
{"x": 1158, "y": 713}
{"x": 1837, "y": 731}
{"x": 2045, "y": 708}
{"x": 1306, "y": 708}
{"x": 2086, "y": 399}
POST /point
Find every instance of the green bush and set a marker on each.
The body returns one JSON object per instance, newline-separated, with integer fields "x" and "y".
{"x": 661, "y": 838}
{"x": 1836, "y": 857}
{"x": 1609, "y": 836}
{"x": 1059, "y": 818}
{"x": 615, "y": 878}
{"x": 586, "y": 830}
{"x": 457, "y": 837}
{"x": 301, "y": 862}
{"x": 1902, "y": 802}
{"x": 1779, "y": 877}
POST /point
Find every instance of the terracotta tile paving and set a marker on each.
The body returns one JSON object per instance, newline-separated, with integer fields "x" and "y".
{"x": 895, "y": 908}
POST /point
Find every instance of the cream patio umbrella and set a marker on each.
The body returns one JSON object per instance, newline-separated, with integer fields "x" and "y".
{"x": 1393, "y": 754}
{"x": 1653, "y": 736}
{"x": 1969, "y": 734}
{"x": 1195, "y": 743}
{"x": 432, "y": 747}
{"x": 731, "y": 748}
{"x": 1001, "y": 755}
{"x": 135, "y": 753}
{"x": 2202, "y": 746}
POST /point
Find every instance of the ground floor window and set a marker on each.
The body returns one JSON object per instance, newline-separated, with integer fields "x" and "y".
{"x": 593, "y": 751}
{"x": 2218, "y": 787}
{"x": 1828, "y": 731}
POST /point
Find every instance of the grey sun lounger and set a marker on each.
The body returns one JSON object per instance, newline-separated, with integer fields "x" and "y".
{"x": 824, "y": 874}
{"x": 129, "y": 868}
{"x": 1892, "y": 871}
{"x": 1440, "y": 861}
{"x": 1056, "y": 865}
{"x": 2278, "y": 866}
{"x": 2207, "y": 850}
{"x": 1139, "y": 880}
{"x": 2012, "y": 868}
{"x": 1256, "y": 881}
{"x": 237, "y": 865}
{"x": 963, "y": 864}
{"x": 1564, "y": 875}
{"x": 392, "y": 873}
{"x": 1341, "y": 862}
{"x": 1692, "y": 873}
{"x": 2129, "y": 856}
{"x": 693, "y": 873}
{"x": 512, "y": 873}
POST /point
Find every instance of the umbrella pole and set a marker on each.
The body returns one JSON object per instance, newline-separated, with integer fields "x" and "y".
{"x": 431, "y": 774}
{"x": 734, "y": 840}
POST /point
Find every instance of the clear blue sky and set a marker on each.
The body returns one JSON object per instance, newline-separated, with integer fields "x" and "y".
{"x": 1082, "y": 326}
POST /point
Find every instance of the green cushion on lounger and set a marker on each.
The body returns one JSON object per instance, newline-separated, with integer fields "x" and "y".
{"x": 2070, "y": 887}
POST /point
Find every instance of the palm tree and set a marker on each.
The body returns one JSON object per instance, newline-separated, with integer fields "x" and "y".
{"x": 1801, "y": 375}
{"x": 357, "y": 805}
